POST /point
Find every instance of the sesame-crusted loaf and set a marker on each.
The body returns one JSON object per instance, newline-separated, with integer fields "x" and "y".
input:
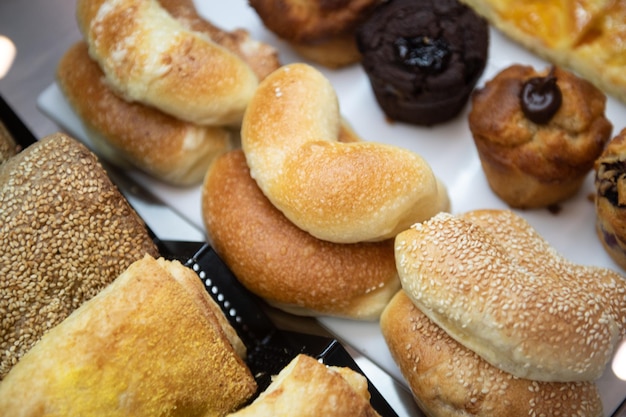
{"x": 449, "y": 380}
{"x": 496, "y": 286}
{"x": 153, "y": 343}
{"x": 66, "y": 232}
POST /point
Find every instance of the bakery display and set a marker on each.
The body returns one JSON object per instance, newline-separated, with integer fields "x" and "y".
{"x": 163, "y": 146}
{"x": 149, "y": 56}
{"x": 423, "y": 58}
{"x": 536, "y": 152}
{"x": 610, "y": 198}
{"x": 448, "y": 379}
{"x": 340, "y": 192}
{"x": 149, "y": 344}
{"x": 308, "y": 388}
{"x": 583, "y": 36}
{"x": 284, "y": 265}
{"x": 320, "y": 31}
{"x": 496, "y": 286}
{"x": 67, "y": 232}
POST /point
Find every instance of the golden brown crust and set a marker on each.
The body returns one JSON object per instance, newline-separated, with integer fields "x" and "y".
{"x": 150, "y": 57}
{"x": 67, "y": 232}
{"x": 585, "y": 36}
{"x": 262, "y": 57}
{"x": 449, "y": 380}
{"x": 610, "y": 198}
{"x": 493, "y": 284}
{"x": 334, "y": 53}
{"x": 141, "y": 347}
{"x": 167, "y": 148}
{"x": 343, "y": 193}
{"x": 285, "y": 265}
{"x": 530, "y": 165}
{"x": 308, "y": 388}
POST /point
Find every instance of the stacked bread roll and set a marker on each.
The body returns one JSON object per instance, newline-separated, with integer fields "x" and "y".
{"x": 159, "y": 87}
{"x": 492, "y": 321}
{"x": 305, "y": 214}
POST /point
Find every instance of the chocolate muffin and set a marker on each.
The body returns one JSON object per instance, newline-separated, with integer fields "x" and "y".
{"x": 423, "y": 58}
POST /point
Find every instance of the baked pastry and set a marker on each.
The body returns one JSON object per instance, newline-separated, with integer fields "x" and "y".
{"x": 584, "y": 36}
{"x": 67, "y": 232}
{"x": 321, "y": 31}
{"x": 149, "y": 344}
{"x": 150, "y": 57}
{"x": 286, "y": 266}
{"x": 423, "y": 58}
{"x": 339, "y": 192}
{"x": 260, "y": 56}
{"x": 163, "y": 146}
{"x": 308, "y": 388}
{"x": 537, "y": 151}
{"x": 496, "y": 286}
{"x": 447, "y": 379}
{"x": 610, "y": 198}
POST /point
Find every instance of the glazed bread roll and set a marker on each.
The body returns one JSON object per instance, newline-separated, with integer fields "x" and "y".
{"x": 149, "y": 56}
{"x": 149, "y": 344}
{"x": 308, "y": 388}
{"x": 261, "y": 57}
{"x": 449, "y": 380}
{"x": 284, "y": 265}
{"x": 165, "y": 147}
{"x": 339, "y": 192}
{"x": 494, "y": 285}
{"x": 66, "y": 233}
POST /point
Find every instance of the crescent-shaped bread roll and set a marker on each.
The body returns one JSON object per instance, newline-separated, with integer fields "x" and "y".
{"x": 149, "y": 344}
{"x": 449, "y": 380}
{"x": 284, "y": 265}
{"x": 339, "y": 192}
{"x": 496, "y": 286}
{"x": 308, "y": 388}
{"x": 65, "y": 232}
{"x": 149, "y": 56}
{"x": 163, "y": 146}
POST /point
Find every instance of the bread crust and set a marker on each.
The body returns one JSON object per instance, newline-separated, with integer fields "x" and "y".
{"x": 150, "y": 57}
{"x": 340, "y": 192}
{"x": 286, "y": 266}
{"x": 308, "y": 388}
{"x": 66, "y": 233}
{"x": 496, "y": 286}
{"x": 532, "y": 165}
{"x": 163, "y": 146}
{"x": 449, "y": 380}
{"x": 144, "y": 346}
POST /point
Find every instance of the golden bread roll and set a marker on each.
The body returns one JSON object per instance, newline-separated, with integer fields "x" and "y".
{"x": 610, "y": 198}
{"x": 149, "y": 56}
{"x": 449, "y": 380}
{"x": 339, "y": 192}
{"x": 308, "y": 388}
{"x": 584, "y": 36}
{"x": 496, "y": 286}
{"x": 66, "y": 233}
{"x": 284, "y": 265}
{"x": 260, "y": 56}
{"x": 149, "y": 344}
{"x": 321, "y": 31}
{"x": 530, "y": 162}
{"x": 165, "y": 147}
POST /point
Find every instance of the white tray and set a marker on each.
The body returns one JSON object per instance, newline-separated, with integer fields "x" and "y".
{"x": 449, "y": 149}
